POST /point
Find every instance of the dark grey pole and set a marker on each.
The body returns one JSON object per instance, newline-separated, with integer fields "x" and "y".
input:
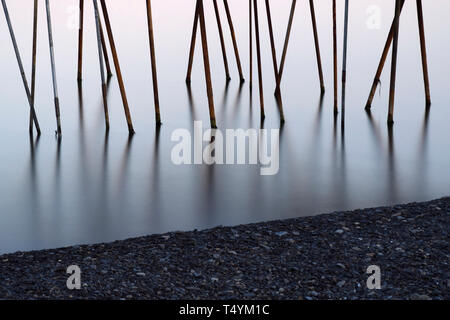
{"x": 394, "y": 64}
{"x": 344, "y": 58}
{"x": 250, "y": 40}
{"x": 52, "y": 60}
{"x": 102, "y": 67}
{"x": 80, "y": 41}
{"x": 33, "y": 61}
{"x": 19, "y": 62}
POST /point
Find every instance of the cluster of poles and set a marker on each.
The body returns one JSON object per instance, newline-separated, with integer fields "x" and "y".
{"x": 199, "y": 23}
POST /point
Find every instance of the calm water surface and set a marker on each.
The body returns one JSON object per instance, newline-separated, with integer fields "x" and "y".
{"x": 91, "y": 187}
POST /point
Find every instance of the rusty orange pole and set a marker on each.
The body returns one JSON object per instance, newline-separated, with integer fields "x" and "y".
{"x": 192, "y": 46}
{"x": 117, "y": 66}
{"x": 153, "y": 61}
{"x": 222, "y": 41}
{"x": 316, "y": 43}
{"x": 383, "y": 58}
{"x": 286, "y": 39}
{"x": 233, "y": 38}
{"x": 423, "y": 49}
{"x": 209, "y": 89}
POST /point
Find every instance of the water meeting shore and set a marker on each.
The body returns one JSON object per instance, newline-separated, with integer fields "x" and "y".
{"x": 319, "y": 257}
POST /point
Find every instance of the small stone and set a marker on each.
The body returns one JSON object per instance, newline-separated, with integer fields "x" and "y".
{"x": 340, "y": 284}
{"x": 416, "y": 296}
{"x": 339, "y": 231}
{"x": 140, "y": 274}
{"x": 281, "y": 233}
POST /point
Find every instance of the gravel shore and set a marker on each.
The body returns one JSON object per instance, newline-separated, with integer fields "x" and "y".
{"x": 320, "y": 257}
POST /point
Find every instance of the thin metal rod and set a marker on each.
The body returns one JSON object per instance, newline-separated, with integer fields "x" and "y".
{"x": 22, "y": 71}
{"x": 105, "y": 50}
{"x": 344, "y": 56}
{"x": 153, "y": 61}
{"x": 222, "y": 41}
{"x": 335, "y": 59}
{"x": 316, "y": 43}
{"x": 80, "y": 41}
{"x": 394, "y": 63}
{"x": 233, "y": 38}
{"x": 209, "y": 88}
{"x": 33, "y": 61}
{"x": 258, "y": 56}
{"x": 423, "y": 49}
{"x": 250, "y": 37}
{"x": 100, "y": 57}
{"x": 192, "y": 46}
{"x": 117, "y": 67}
{"x": 274, "y": 60}
{"x": 52, "y": 60}
{"x": 383, "y": 58}
{"x": 286, "y": 39}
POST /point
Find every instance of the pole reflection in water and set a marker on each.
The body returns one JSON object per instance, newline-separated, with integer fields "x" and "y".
{"x": 91, "y": 186}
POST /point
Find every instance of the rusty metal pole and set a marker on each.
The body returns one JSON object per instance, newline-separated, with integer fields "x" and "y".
{"x": 274, "y": 60}
{"x": 52, "y": 60}
{"x": 423, "y": 49}
{"x": 33, "y": 61}
{"x": 233, "y": 38}
{"x": 316, "y": 43}
{"x": 222, "y": 41}
{"x": 192, "y": 46}
{"x": 104, "y": 48}
{"x": 22, "y": 71}
{"x": 117, "y": 66}
{"x": 209, "y": 89}
{"x": 80, "y": 41}
{"x": 258, "y": 56}
{"x": 286, "y": 39}
{"x": 383, "y": 58}
{"x": 250, "y": 37}
{"x": 100, "y": 57}
{"x": 335, "y": 59}
{"x": 153, "y": 61}
{"x": 394, "y": 63}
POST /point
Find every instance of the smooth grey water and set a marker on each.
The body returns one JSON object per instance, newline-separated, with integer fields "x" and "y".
{"x": 91, "y": 187}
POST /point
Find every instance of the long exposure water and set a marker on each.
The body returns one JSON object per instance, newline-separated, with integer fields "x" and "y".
{"x": 90, "y": 187}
